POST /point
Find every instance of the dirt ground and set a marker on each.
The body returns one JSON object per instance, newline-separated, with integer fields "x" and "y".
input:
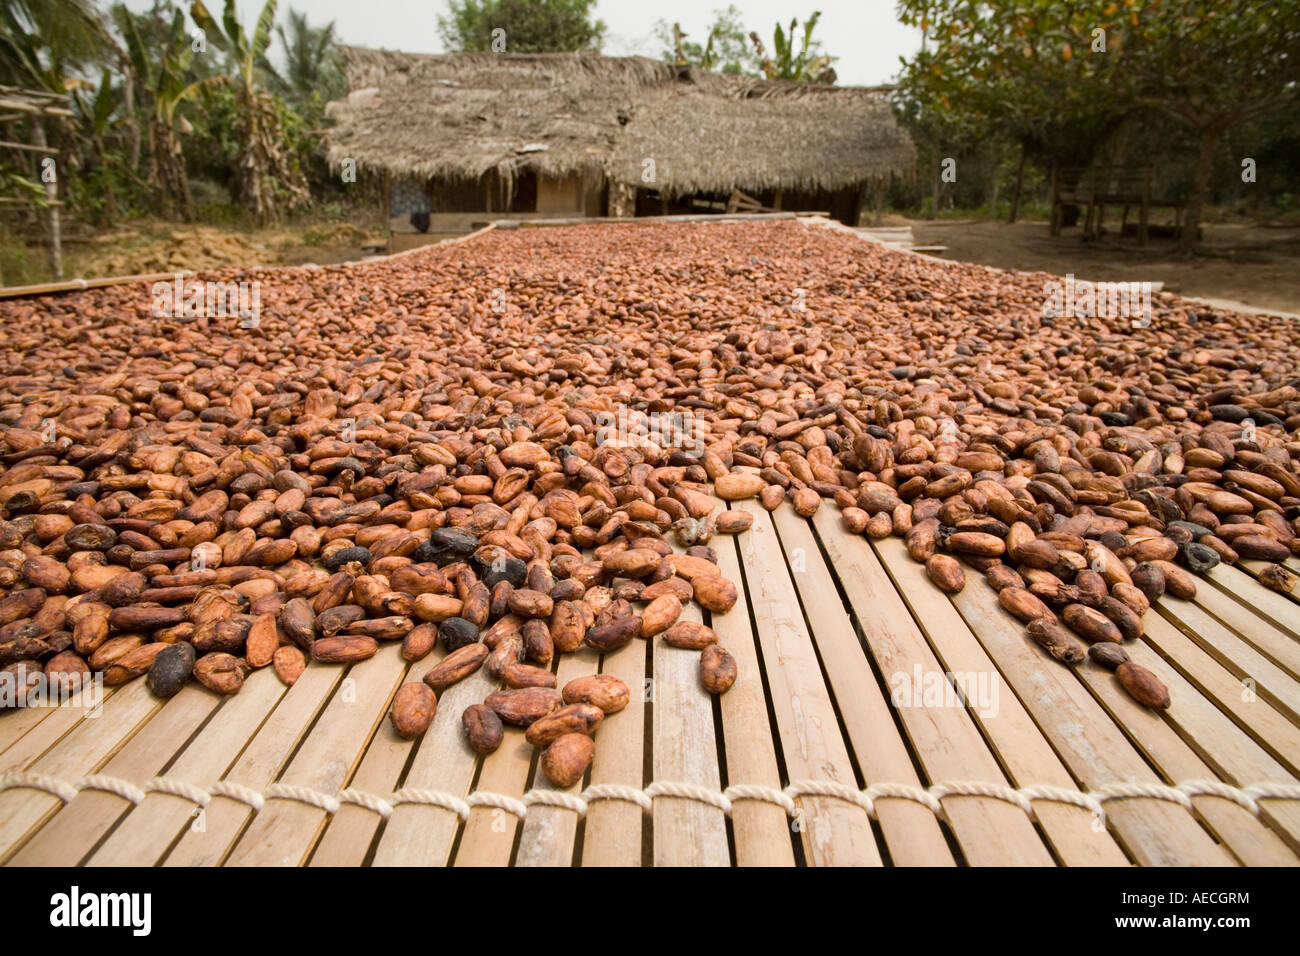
{"x": 1256, "y": 265}
{"x": 1252, "y": 264}
{"x": 147, "y": 247}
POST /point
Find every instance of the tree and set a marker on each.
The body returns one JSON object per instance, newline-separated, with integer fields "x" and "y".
{"x": 164, "y": 71}
{"x": 40, "y": 40}
{"x": 267, "y": 179}
{"x": 725, "y": 48}
{"x": 1059, "y": 78}
{"x": 525, "y": 26}
{"x": 1212, "y": 66}
{"x": 808, "y": 65}
{"x": 312, "y": 75}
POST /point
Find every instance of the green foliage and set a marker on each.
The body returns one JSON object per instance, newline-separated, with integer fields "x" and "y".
{"x": 725, "y": 48}
{"x": 1060, "y": 78}
{"x": 267, "y": 176}
{"x": 20, "y": 265}
{"x": 312, "y": 74}
{"x": 530, "y": 26}
{"x": 806, "y": 65}
{"x": 42, "y": 42}
{"x": 14, "y": 183}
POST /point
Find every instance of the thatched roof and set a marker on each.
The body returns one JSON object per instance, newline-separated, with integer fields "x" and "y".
{"x": 460, "y": 115}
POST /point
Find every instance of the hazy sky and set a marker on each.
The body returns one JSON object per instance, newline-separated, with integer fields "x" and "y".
{"x": 863, "y": 33}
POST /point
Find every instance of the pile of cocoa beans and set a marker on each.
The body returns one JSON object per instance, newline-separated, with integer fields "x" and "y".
{"x": 466, "y": 446}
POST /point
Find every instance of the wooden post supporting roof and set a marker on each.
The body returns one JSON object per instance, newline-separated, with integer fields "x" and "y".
{"x": 18, "y": 104}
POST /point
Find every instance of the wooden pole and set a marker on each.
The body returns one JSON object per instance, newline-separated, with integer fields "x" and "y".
{"x": 880, "y": 203}
{"x": 1020, "y": 180}
{"x": 51, "y": 194}
{"x": 1146, "y": 206}
{"x": 1056, "y": 211}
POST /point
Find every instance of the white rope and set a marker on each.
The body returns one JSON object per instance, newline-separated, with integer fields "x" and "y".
{"x": 178, "y": 788}
{"x": 37, "y": 781}
{"x": 433, "y": 798}
{"x": 287, "y": 791}
{"x": 371, "y": 802}
{"x": 237, "y": 791}
{"x": 618, "y": 791}
{"x": 122, "y": 788}
{"x": 1248, "y": 797}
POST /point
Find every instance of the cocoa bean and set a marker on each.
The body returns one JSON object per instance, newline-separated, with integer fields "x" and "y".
{"x": 601, "y": 690}
{"x": 569, "y": 719}
{"x": 289, "y": 663}
{"x": 414, "y": 706}
{"x": 219, "y": 672}
{"x": 524, "y": 706}
{"x": 456, "y": 666}
{"x": 718, "y": 669}
{"x": 566, "y": 760}
{"x": 482, "y": 728}
{"x": 343, "y": 650}
{"x": 946, "y": 573}
{"x": 1143, "y": 686}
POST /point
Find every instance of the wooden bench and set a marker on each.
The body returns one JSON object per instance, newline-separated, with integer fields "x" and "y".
{"x": 1098, "y": 186}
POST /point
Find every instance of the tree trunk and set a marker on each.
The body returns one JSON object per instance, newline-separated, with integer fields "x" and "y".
{"x": 128, "y": 94}
{"x": 993, "y": 192}
{"x": 51, "y": 196}
{"x": 1200, "y": 186}
{"x": 936, "y": 185}
{"x": 1020, "y": 181}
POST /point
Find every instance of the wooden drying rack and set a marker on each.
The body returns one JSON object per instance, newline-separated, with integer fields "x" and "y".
{"x": 825, "y": 624}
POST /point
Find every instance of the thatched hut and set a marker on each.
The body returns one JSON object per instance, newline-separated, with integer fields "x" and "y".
{"x": 466, "y": 137}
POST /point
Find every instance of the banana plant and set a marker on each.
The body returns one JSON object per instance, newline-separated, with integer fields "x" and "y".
{"x": 43, "y": 41}
{"x": 264, "y": 164}
{"x": 165, "y": 78}
{"x": 806, "y": 65}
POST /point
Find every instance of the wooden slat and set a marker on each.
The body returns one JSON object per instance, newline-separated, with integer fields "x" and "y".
{"x": 911, "y": 832}
{"x": 1253, "y": 569}
{"x": 1211, "y": 735}
{"x": 259, "y": 765}
{"x": 419, "y": 834}
{"x": 1010, "y": 730}
{"x": 1269, "y": 728}
{"x": 1268, "y": 620}
{"x": 1229, "y": 649}
{"x": 350, "y": 831}
{"x": 761, "y": 830}
{"x": 945, "y": 739}
{"x": 549, "y": 832}
{"x": 144, "y": 835}
{"x": 284, "y": 831}
{"x": 83, "y": 751}
{"x": 612, "y": 833}
{"x": 489, "y": 834}
{"x": 1248, "y": 838}
{"x": 1092, "y": 747}
{"x": 15, "y": 723}
{"x": 45, "y": 727}
{"x": 831, "y": 832}
{"x": 69, "y": 836}
{"x": 686, "y": 832}
{"x": 1278, "y": 611}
